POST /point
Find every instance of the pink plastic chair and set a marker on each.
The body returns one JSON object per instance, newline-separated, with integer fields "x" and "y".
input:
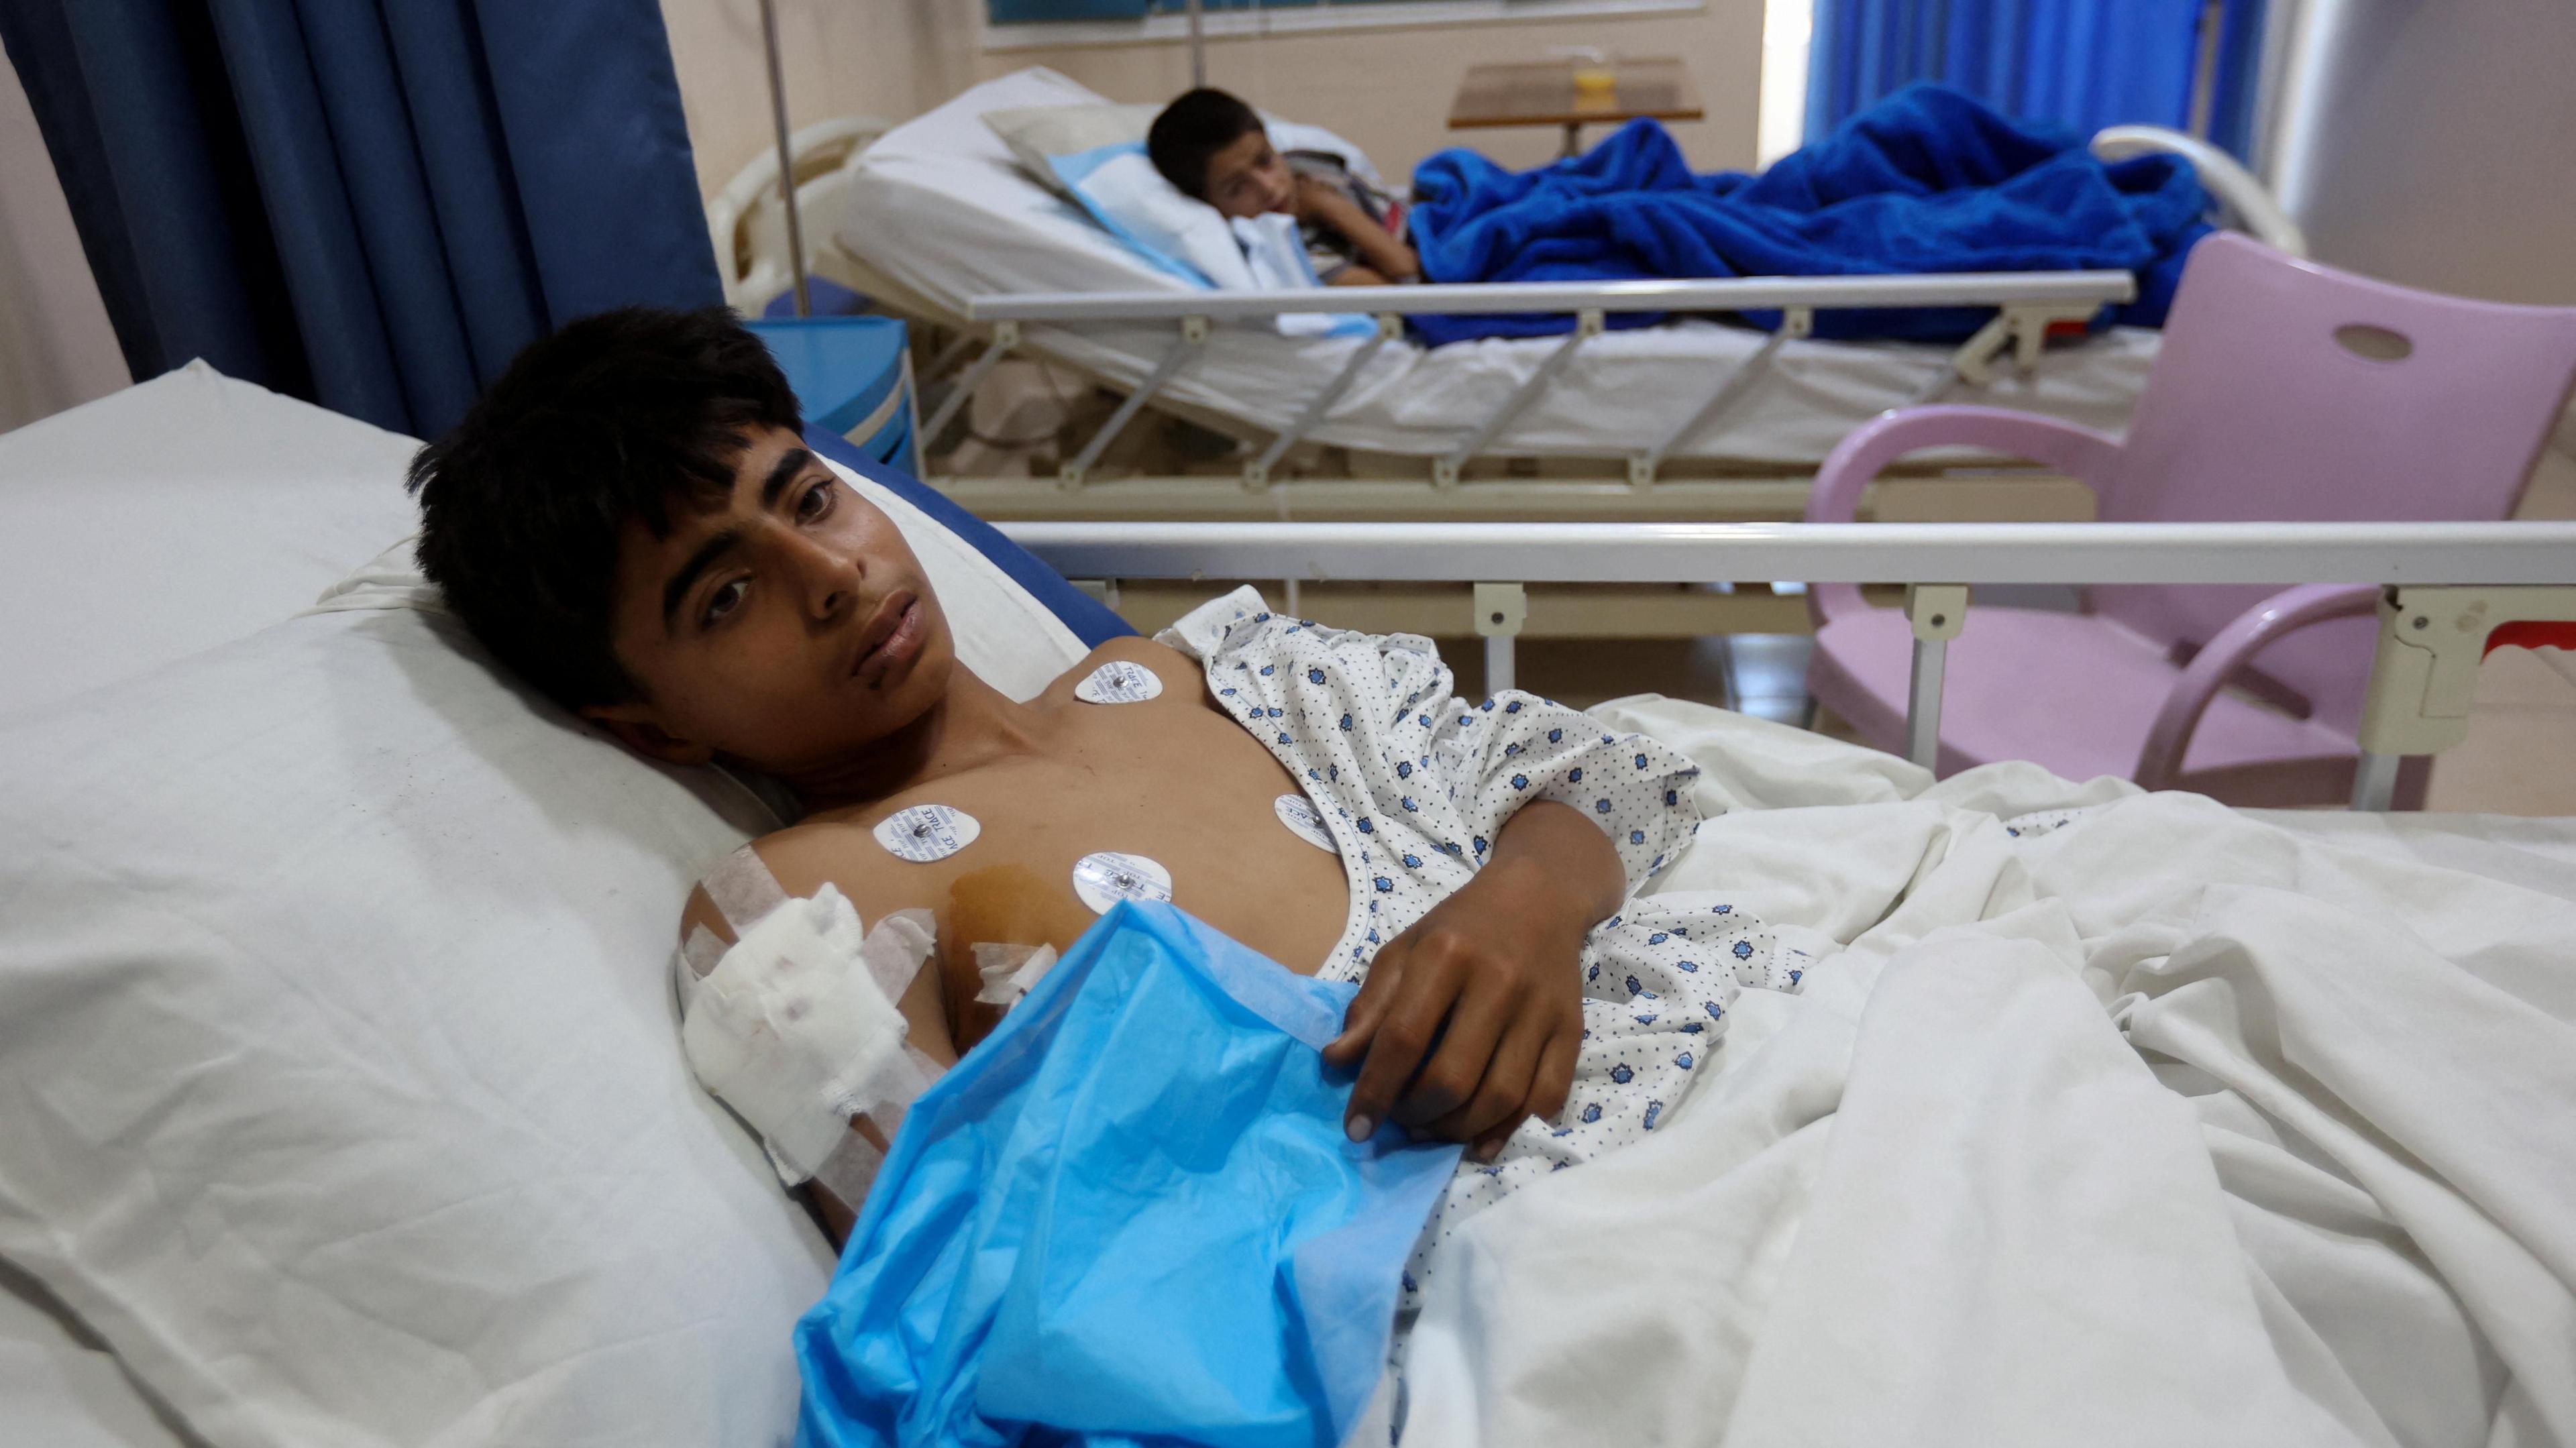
{"x": 2283, "y": 390}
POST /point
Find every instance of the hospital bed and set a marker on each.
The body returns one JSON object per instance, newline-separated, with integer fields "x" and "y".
{"x": 935, "y": 220}
{"x": 339, "y": 1098}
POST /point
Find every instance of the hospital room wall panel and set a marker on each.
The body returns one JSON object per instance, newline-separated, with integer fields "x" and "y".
{"x": 1389, "y": 91}
{"x": 1386, "y": 90}
{"x": 888, "y": 58}
{"x": 2433, "y": 145}
{"x": 56, "y": 347}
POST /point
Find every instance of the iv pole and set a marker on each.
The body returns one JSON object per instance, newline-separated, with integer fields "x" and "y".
{"x": 786, "y": 162}
{"x": 1198, "y": 49}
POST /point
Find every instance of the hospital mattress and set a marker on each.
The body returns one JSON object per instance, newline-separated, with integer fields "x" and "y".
{"x": 939, "y": 206}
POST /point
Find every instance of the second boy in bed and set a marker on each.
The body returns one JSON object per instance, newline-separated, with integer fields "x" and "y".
{"x": 629, "y": 519}
{"x": 1213, "y": 147}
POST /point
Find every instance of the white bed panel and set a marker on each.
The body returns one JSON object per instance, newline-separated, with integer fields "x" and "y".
{"x": 173, "y": 516}
{"x": 939, "y": 205}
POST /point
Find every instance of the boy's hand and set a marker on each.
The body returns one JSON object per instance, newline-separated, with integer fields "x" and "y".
{"x": 1479, "y": 1007}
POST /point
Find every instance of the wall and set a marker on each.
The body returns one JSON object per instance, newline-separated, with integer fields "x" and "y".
{"x": 2434, "y": 144}
{"x": 1388, "y": 91}
{"x": 56, "y": 349}
{"x": 888, "y": 58}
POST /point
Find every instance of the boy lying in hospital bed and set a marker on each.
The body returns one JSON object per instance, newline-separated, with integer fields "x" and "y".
{"x": 628, "y": 519}
{"x": 1213, "y": 148}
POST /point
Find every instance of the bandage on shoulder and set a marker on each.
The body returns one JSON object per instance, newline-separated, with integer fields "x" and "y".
{"x": 796, "y": 1028}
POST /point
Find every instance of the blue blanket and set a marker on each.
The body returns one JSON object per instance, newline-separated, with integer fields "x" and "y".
{"x": 1129, "y": 1215}
{"x": 1926, "y": 181}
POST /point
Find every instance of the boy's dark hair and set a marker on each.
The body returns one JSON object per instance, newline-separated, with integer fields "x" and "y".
{"x": 1189, "y": 133}
{"x": 613, "y": 417}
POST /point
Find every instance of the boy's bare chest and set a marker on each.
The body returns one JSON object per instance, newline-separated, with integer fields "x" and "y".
{"x": 1171, "y": 782}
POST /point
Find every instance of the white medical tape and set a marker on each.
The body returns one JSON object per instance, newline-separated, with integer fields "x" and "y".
{"x": 851, "y": 1169}
{"x": 926, "y": 832}
{"x": 1008, "y": 971}
{"x": 700, "y": 952}
{"x": 903, "y": 1088}
{"x": 1119, "y": 682}
{"x": 796, "y": 1037}
{"x": 742, "y": 889}
{"x": 1104, "y": 879}
{"x": 897, "y": 948}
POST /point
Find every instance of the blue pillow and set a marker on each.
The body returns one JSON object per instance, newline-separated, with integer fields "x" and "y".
{"x": 1090, "y": 619}
{"x": 1121, "y": 189}
{"x": 1129, "y": 1215}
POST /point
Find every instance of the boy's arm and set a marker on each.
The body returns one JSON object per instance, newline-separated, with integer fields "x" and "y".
{"x": 927, "y": 1019}
{"x": 1489, "y": 976}
{"x": 1391, "y": 259}
{"x": 926, "y": 1028}
{"x": 1585, "y": 816}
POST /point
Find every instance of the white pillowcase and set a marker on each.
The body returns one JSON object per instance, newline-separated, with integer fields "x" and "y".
{"x": 339, "y": 1082}
{"x": 1192, "y": 240}
{"x": 1036, "y": 135}
{"x": 1039, "y": 134}
{"x": 1094, "y": 155}
{"x": 112, "y": 510}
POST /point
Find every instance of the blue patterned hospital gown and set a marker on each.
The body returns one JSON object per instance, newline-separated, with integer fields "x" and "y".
{"x": 1414, "y": 783}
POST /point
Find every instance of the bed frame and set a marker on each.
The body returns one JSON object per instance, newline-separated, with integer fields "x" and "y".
{"x": 1287, "y": 476}
{"x": 2448, "y": 588}
{"x": 1637, "y": 482}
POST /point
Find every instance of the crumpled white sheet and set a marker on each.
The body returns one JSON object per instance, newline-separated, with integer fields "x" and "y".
{"x": 2173, "y": 1124}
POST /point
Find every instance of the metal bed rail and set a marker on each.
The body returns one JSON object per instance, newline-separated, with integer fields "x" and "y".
{"x": 2446, "y": 587}
{"x": 2027, "y": 305}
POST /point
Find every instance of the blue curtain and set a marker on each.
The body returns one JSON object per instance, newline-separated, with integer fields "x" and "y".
{"x": 2082, "y": 64}
{"x": 369, "y": 203}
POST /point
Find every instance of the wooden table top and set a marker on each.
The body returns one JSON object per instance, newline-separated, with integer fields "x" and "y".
{"x": 1542, "y": 93}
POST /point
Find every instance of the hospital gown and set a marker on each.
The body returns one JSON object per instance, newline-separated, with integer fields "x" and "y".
{"x": 1415, "y": 783}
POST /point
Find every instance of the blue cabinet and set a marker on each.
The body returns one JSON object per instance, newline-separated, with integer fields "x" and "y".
{"x": 853, "y": 377}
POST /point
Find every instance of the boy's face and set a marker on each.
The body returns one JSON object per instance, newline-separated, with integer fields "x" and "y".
{"x": 1248, "y": 178}
{"x": 789, "y": 628}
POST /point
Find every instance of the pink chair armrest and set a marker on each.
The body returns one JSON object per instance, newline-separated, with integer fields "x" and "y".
{"x": 2079, "y": 452}
{"x": 2247, "y": 634}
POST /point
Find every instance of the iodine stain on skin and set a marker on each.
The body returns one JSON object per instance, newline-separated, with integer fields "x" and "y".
{"x": 1006, "y": 904}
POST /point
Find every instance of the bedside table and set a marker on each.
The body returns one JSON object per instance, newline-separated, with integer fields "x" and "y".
{"x": 853, "y": 376}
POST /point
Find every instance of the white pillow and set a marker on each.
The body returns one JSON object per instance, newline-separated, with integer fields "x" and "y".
{"x": 1119, "y": 186}
{"x": 1192, "y": 240}
{"x": 339, "y": 1084}
{"x": 1039, "y": 134}
{"x": 191, "y": 486}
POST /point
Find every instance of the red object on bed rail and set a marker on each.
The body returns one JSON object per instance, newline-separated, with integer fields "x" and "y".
{"x": 2532, "y": 635}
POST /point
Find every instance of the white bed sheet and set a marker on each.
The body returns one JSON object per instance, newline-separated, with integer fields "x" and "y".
{"x": 62, "y": 1388}
{"x": 175, "y": 515}
{"x": 2169, "y": 1124}
{"x": 939, "y": 205}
